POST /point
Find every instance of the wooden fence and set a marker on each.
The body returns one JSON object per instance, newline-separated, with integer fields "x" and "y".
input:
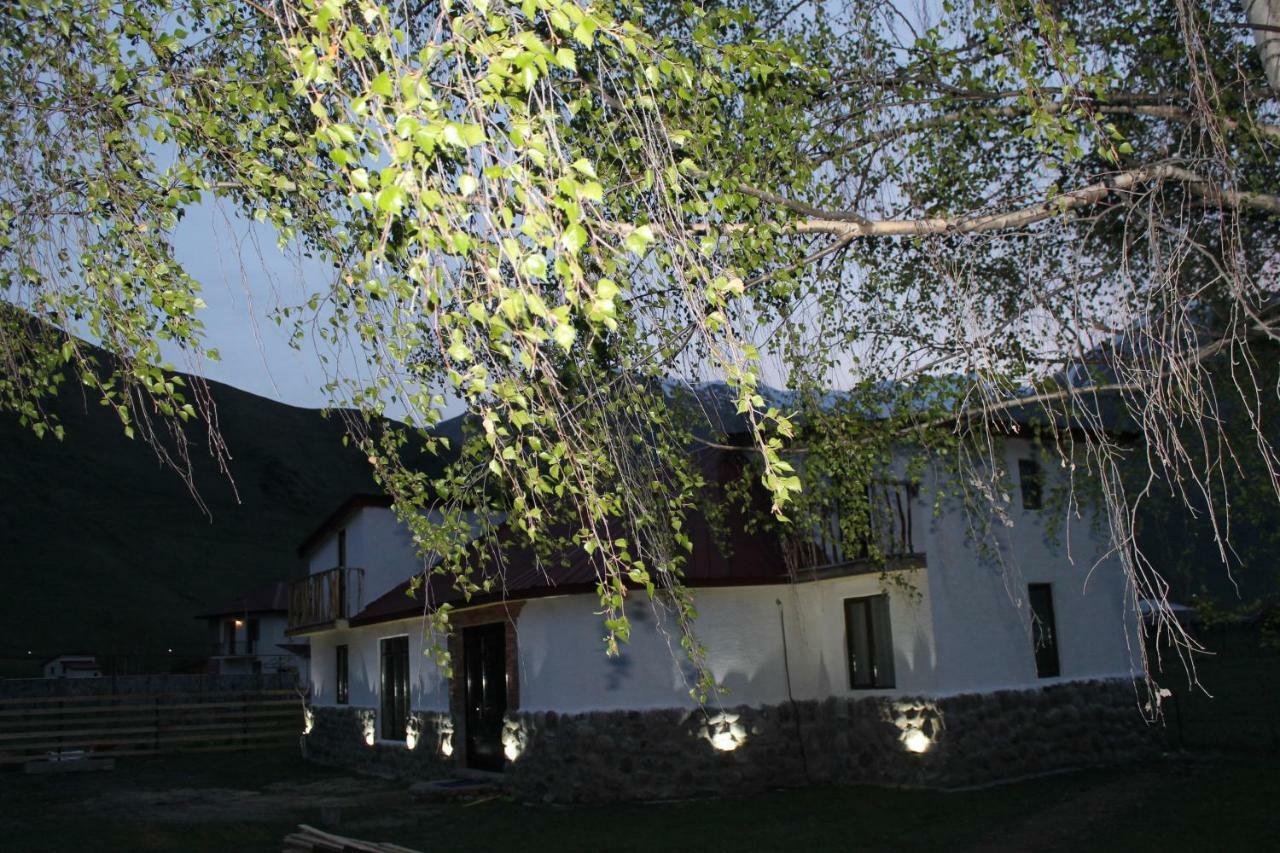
{"x": 63, "y": 727}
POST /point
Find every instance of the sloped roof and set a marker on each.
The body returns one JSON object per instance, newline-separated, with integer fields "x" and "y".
{"x": 747, "y": 557}
{"x": 271, "y": 598}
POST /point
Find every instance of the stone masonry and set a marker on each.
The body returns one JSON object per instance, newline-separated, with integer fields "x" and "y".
{"x": 956, "y": 741}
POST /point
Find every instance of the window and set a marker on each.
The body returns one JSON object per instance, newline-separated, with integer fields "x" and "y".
{"x": 870, "y": 641}
{"x": 1030, "y": 482}
{"x": 342, "y": 547}
{"x": 230, "y": 634}
{"x": 1044, "y": 633}
{"x": 395, "y": 687}
{"x": 251, "y": 637}
{"x": 342, "y": 693}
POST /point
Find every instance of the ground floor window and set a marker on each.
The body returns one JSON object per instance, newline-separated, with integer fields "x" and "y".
{"x": 395, "y": 687}
{"x": 1044, "y": 631}
{"x": 342, "y": 694}
{"x": 870, "y": 642}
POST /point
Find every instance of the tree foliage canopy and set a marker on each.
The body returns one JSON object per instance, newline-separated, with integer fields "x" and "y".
{"x": 561, "y": 213}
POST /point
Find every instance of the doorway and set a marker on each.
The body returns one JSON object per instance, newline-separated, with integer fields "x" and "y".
{"x": 484, "y": 653}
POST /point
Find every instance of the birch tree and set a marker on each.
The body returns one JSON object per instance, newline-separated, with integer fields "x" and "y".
{"x": 557, "y": 215}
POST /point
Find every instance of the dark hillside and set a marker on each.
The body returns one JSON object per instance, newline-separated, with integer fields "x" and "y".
{"x": 103, "y": 549}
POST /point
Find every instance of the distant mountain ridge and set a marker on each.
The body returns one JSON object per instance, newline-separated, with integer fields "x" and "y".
{"x": 104, "y": 550}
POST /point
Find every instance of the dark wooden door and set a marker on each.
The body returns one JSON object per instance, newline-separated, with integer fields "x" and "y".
{"x": 395, "y": 687}
{"x": 484, "y": 652}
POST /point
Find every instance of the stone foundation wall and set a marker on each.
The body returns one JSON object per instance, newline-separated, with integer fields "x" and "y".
{"x": 957, "y": 741}
{"x": 338, "y": 737}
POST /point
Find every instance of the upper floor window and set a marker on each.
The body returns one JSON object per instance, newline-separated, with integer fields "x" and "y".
{"x": 1030, "y": 482}
{"x": 1044, "y": 630}
{"x": 342, "y": 693}
{"x": 251, "y": 636}
{"x": 870, "y": 642}
{"x": 342, "y": 547}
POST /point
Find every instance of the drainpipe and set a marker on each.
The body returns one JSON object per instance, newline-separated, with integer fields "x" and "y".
{"x": 795, "y": 712}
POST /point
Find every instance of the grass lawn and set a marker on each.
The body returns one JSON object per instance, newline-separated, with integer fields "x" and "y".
{"x": 249, "y": 801}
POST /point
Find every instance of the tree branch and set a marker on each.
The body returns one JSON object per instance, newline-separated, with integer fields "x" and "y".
{"x": 1022, "y": 217}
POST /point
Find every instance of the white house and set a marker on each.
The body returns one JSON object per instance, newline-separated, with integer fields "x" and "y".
{"x": 248, "y": 635}
{"x": 72, "y": 666}
{"x": 947, "y": 666}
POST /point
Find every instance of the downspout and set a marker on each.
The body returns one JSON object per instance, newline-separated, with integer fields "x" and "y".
{"x": 795, "y": 712}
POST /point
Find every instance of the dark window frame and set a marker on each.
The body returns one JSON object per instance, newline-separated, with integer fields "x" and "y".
{"x": 1031, "y": 483}
{"x": 342, "y": 547}
{"x": 394, "y": 686}
{"x": 252, "y": 635}
{"x": 342, "y": 674}
{"x": 867, "y": 622}
{"x": 1044, "y": 631}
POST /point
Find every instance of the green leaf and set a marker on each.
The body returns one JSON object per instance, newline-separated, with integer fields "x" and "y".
{"x": 391, "y": 198}
{"x": 564, "y": 335}
{"x": 382, "y": 85}
{"x": 639, "y": 239}
{"x": 535, "y": 266}
{"x": 574, "y": 238}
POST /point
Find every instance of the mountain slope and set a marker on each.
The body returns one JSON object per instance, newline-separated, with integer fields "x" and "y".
{"x": 103, "y": 549}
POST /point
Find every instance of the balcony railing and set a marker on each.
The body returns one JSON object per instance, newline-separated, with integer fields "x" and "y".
{"x": 240, "y": 648}
{"x": 889, "y": 533}
{"x": 325, "y": 597}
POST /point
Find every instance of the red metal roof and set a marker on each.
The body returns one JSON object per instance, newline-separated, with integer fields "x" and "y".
{"x": 518, "y": 573}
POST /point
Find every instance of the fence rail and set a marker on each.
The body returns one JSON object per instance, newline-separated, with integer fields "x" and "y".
{"x": 64, "y": 727}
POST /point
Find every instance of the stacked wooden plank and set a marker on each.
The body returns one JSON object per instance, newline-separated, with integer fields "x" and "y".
{"x": 308, "y": 839}
{"x": 69, "y": 727}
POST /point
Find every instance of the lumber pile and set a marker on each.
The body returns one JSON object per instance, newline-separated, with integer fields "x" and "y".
{"x": 308, "y": 839}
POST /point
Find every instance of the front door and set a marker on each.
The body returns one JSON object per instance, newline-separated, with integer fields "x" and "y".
{"x": 395, "y": 687}
{"x": 484, "y": 653}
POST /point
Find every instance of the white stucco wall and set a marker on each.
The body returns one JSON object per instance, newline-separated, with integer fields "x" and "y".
{"x": 376, "y": 543}
{"x": 428, "y": 690}
{"x": 563, "y": 665}
{"x": 980, "y": 610}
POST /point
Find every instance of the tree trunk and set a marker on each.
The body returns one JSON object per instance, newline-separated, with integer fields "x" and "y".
{"x": 1265, "y": 14}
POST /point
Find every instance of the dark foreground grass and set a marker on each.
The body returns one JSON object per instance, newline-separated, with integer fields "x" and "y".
{"x": 249, "y": 802}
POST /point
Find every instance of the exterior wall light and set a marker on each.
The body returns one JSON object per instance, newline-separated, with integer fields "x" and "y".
{"x": 308, "y": 720}
{"x": 724, "y": 732}
{"x": 514, "y": 739}
{"x": 412, "y": 731}
{"x": 916, "y": 741}
{"x": 445, "y": 728}
{"x": 918, "y": 724}
{"x": 367, "y": 727}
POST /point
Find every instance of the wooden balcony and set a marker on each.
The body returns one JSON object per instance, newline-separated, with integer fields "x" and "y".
{"x": 325, "y": 597}
{"x": 889, "y": 543}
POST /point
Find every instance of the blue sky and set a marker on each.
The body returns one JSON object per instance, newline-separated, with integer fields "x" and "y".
{"x": 245, "y": 277}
